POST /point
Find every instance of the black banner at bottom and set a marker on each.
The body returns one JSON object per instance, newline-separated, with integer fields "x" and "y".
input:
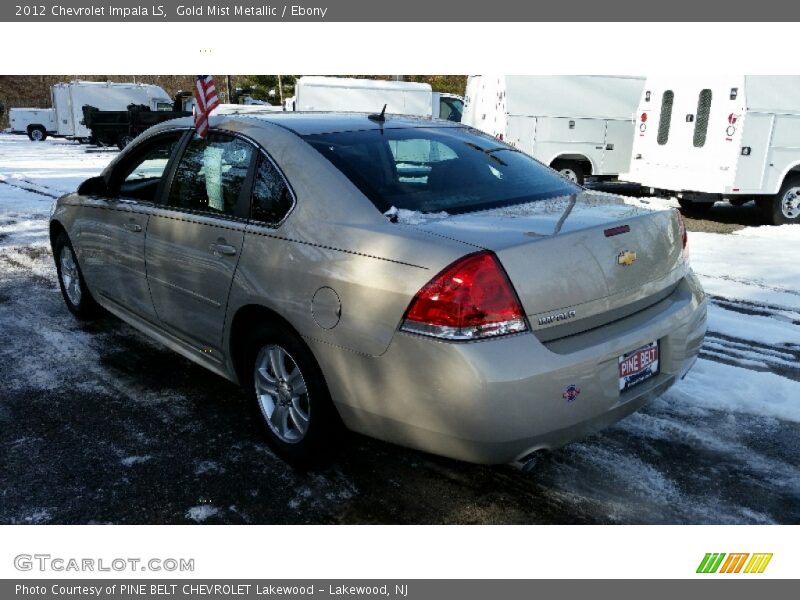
{"x": 733, "y": 588}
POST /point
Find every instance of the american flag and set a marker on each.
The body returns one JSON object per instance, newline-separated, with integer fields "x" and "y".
{"x": 206, "y": 100}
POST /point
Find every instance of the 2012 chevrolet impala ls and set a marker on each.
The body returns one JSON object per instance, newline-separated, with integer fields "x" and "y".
{"x": 410, "y": 279}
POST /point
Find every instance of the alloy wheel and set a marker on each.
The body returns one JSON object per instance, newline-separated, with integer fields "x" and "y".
{"x": 282, "y": 394}
{"x": 70, "y": 277}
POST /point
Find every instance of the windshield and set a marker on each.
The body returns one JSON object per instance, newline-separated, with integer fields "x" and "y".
{"x": 451, "y": 169}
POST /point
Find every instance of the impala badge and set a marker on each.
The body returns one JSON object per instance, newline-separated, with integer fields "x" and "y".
{"x": 626, "y": 258}
{"x": 555, "y": 317}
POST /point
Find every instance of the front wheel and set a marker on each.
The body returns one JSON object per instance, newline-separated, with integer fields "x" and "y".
{"x": 76, "y": 294}
{"x": 784, "y": 208}
{"x": 300, "y": 422}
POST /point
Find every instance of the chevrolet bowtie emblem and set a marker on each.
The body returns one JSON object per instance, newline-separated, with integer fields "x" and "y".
{"x": 626, "y": 259}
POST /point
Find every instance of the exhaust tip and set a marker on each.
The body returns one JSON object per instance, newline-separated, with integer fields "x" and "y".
{"x": 528, "y": 462}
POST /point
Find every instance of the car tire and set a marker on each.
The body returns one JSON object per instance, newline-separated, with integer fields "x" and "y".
{"x": 37, "y": 133}
{"x": 689, "y": 207}
{"x": 290, "y": 397}
{"x": 571, "y": 170}
{"x": 784, "y": 207}
{"x": 76, "y": 294}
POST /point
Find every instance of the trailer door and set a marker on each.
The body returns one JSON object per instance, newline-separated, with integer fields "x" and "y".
{"x": 751, "y": 169}
{"x": 618, "y": 146}
{"x": 63, "y": 110}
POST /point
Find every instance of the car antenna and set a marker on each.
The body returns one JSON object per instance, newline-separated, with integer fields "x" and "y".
{"x": 381, "y": 118}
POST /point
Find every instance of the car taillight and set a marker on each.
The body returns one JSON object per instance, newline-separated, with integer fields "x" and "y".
{"x": 471, "y": 299}
{"x": 683, "y": 234}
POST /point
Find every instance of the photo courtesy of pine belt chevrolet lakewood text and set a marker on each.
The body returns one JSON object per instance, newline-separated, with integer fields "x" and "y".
{"x": 406, "y": 278}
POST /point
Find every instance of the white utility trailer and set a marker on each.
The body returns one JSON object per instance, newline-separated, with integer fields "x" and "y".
{"x": 318, "y": 93}
{"x": 709, "y": 138}
{"x": 65, "y": 119}
{"x": 36, "y": 123}
{"x": 580, "y": 125}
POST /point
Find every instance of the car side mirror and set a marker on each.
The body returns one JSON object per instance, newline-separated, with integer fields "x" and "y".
{"x": 95, "y": 186}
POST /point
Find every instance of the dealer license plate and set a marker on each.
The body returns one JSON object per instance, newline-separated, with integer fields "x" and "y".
{"x": 637, "y": 366}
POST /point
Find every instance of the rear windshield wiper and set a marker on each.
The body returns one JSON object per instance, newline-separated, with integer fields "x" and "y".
{"x": 490, "y": 152}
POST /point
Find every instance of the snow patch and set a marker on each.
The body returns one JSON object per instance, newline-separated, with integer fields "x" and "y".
{"x": 728, "y": 388}
{"x": 202, "y": 513}
{"x": 413, "y": 217}
{"x": 129, "y": 461}
{"x": 208, "y": 466}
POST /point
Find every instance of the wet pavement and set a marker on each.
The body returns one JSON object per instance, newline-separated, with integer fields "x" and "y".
{"x": 98, "y": 424}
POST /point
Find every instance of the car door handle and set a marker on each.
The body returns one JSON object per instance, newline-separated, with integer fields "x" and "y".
{"x": 222, "y": 249}
{"x": 134, "y": 227}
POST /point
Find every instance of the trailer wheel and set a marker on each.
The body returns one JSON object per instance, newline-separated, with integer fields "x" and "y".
{"x": 124, "y": 141}
{"x": 689, "y": 206}
{"x": 37, "y": 133}
{"x": 785, "y": 206}
{"x": 570, "y": 169}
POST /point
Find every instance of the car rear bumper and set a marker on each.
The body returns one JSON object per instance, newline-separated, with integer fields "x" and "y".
{"x": 498, "y": 401}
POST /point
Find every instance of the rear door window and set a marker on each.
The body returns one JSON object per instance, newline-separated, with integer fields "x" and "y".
{"x": 272, "y": 199}
{"x": 701, "y": 120}
{"x": 451, "y": 109}
{"x": 211, "y": 175}
{"x": 665, "y": 120}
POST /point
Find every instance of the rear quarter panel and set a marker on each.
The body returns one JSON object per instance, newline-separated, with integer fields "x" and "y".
{"x": 334, "y": 237}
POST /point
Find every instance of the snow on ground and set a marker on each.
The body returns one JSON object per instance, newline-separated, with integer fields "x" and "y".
{"x": 735, "y": 414}
{"x": 757, "y": 264}
{"x": 201, "y": 513}
{"x": 32, "y": 176}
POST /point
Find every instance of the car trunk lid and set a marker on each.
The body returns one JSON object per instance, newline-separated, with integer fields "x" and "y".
{"x": 576, "y": 262}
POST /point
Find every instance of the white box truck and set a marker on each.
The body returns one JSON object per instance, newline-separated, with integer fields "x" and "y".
{"x": 65, "y": 119}
{"x": 580, "y": 125}
{"x": 709, "y": 138}
{"x": 36, "y": 123}
{"x": 70, "y": 98}
{"x": 318, "y": 93}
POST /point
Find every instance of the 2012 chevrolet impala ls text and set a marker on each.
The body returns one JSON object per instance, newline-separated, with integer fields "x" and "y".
{"x": 410, "y": 279}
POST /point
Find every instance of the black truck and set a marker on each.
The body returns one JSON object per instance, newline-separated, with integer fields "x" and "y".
{"x": 120, "y": 127}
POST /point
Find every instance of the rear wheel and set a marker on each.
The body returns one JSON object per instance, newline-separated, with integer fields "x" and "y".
{"x": 291, "y": 398}
{"x": 76, "y": 294}
{"x": 570, "y": 169}
{"x": 689, "y": 206}
{"x": 784, "y": 208}
{"x": 37, "y": 133}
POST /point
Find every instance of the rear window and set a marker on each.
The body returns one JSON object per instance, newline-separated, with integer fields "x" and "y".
{"x": 447, "y": 169}
{"x": 666, "y": 116}
{"x": 701, "y": 121}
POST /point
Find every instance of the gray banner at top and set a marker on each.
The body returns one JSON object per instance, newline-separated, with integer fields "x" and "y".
{"x": 404, "y": 11}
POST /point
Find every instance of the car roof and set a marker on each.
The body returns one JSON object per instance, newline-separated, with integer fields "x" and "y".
{"x": 312, "y": 123}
